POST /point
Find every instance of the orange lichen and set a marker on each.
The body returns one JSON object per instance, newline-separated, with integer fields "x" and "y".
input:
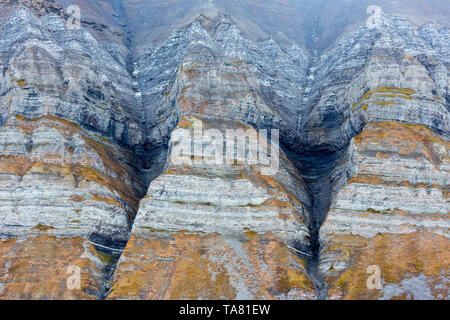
{"x": 382, "y": 155}
{"x": 202, "y": 266}
{"x": 397, "y": 96}
{"x": 77, "y": 198}
{"x": 37, "y": 268}
{"x": 376, "y": 180}
{"x": 20, "y": 82}
{"x": 396, "y": 92}
{"x": 110, "y": 201}
{"x": 114, "y": 158}
{"x": 407, "y": 138}
{"x": 397, "y": 256}
{"x": 411, "y": 59}
{"x": 384, "y": 103}
{"x": 42, "y": 227}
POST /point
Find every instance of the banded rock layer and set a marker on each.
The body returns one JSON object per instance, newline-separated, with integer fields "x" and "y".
{"x": 67, "y": 173}
{"x": 392, "y": 214}
{"x": 212, "y": 226}
{"x": 93, "y": 122}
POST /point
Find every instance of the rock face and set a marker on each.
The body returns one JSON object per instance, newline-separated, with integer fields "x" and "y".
{"x": 67, "y": 170}
{"x": 212, "y": 228}
{"x": 118, "y": 157}
{"x": 393, "y": 212}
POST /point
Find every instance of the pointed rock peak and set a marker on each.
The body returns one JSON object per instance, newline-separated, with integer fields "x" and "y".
{"x": 270, "y": 42}
{"x": 194, "y": 29}
{"x": 428, "y": 24}
{"x": 209, "y": 26}
{"x": 271, "y": 47}
{"x": 206, "y": 21}
{"x": 224, "y": 19}
{"x": 211, "y": 22}
{"x": 428, "y": 27}
{"x": 295, "y": 49}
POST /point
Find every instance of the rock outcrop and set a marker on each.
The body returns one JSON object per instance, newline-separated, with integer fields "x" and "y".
{"x": 115, "y": 153}
{"x": 212, "y": 226}
{"x": 69, "y": 170}
{"x": 393, "y": 212}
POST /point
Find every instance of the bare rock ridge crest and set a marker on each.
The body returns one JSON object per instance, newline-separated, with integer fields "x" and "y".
{"x": 88, "y": 177}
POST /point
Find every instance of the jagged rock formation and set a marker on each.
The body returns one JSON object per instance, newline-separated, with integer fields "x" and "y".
{"x": 218, "y": 229}
{"x": 396, "y": 200}
{"x": 89, "y": 153}
{"x": 41, "y": 7}
{"x": 68, "y": 123}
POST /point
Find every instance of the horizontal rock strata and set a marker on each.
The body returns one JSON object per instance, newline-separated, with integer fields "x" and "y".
{"x": 206, "y": 218}
{"x": 115, "y": 153}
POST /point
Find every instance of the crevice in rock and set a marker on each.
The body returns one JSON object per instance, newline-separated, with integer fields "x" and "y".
{"x": 110, "y": 252}
{"x": 148, "y": 160}
{"x": 324, "y": 174}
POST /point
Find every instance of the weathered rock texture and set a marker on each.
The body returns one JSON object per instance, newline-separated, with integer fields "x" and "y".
{"x": 393, "y": 212}
{"x": 91, "y": 174}
{"x": 214, "y": 229}
{"x": 68, "y": 123}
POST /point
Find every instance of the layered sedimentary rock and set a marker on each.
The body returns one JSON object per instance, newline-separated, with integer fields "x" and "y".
{"x": 41, "y": 7}
{"x": 277, "y": 74}
{"x": 116, "y": 134}
{"x": 66, "y": 174}
{"x": 214, "y": 226}
{"x": 393, "y": 212}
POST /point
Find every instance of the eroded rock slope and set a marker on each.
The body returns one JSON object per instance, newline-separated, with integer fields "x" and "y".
{"x": 91, "y": 175}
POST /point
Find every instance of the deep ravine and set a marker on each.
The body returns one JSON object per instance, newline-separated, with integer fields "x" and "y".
{"x": 317, "y": 170}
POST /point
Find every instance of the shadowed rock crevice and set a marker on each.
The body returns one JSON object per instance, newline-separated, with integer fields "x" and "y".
{"x": 324, "y": 174}
{"x": 333, "y": 119}
{"x": 72, "y": 154}
{"x": 90, "y": 177}
{"x": 340, "y": 124}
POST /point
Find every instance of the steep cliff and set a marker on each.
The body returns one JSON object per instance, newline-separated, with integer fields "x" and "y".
{"x": 70, "y": 168}
{"x": 393, "y": 212}
{"x": 92, "y": 122}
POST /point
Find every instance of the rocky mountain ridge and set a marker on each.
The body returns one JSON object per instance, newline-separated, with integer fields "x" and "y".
{"x": 87, "y": 161}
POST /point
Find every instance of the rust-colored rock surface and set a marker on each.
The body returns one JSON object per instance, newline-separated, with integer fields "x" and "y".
{"x": 392, "y": 214}
{"x": 224, "y": 149}
{"x": 187, "y": 265}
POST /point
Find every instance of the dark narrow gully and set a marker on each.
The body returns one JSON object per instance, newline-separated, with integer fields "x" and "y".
{"x": 149, "y": 159}
{"x": 321, "y": 194}
{"x": 149, "y": 163}
{"x": 320, "y": 170}
{"x": 324, "y": 174}
{"x": 108, "y": 276}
